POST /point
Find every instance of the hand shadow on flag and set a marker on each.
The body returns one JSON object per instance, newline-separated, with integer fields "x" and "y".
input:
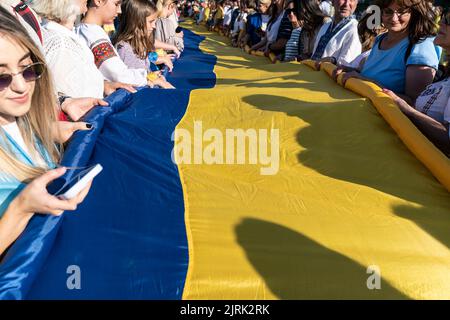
{"x": 306, "y": 79}
{"x": 339, "y": 141}
{"x": 296, "y": 267}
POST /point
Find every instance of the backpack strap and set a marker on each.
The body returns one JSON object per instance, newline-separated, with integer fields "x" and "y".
{"x": 24, "y": 11}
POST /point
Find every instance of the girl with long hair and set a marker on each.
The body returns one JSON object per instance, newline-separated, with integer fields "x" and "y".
{"x": 30, "y": 135}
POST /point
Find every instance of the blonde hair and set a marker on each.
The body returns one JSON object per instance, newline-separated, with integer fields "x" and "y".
{"x": 36, "y": 125}
{"x": 160, "y": 4}
{"x": 265, "y": 2}
{"x": 56, "y": 10}
{"x": 164, "y": 3}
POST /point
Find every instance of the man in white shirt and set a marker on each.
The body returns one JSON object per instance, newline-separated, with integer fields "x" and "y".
{"x": 338, "y": 41}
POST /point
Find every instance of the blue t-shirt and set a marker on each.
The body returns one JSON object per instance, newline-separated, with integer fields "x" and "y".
{"x": 10, "y": 187}
{"x": 388, "y": 67}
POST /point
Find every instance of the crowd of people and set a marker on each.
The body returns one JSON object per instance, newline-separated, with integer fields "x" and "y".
{"x": 57, "y": 62}
{"x": 59, "y": 59}
{"x": 405, "y": 54}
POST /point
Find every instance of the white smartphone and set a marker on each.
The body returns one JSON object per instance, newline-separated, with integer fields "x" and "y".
{"x": 73, "y": 191}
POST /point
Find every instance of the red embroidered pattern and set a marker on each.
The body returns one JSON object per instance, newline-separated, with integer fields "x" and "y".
{"x": 103, "y": 52}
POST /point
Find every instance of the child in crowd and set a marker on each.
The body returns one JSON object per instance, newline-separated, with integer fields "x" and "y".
{"x": 257, "y": 19}
{"x": 106, "y": 57}
{"x": 134, "y": 39}
{"x": 166, "y": 27}
{"x": 101, "y": 12}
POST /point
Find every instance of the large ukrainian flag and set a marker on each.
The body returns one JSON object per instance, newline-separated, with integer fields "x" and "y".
{"x": 354, "y": 197}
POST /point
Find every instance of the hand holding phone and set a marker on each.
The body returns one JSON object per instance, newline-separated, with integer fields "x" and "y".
{"x": 72, "y": 191}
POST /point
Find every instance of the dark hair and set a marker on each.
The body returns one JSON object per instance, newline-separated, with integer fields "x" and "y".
{"x": 423, "y": 18}
{"x": 252, "y": 4}
{"x": 367, "y": 36}
{"x": 133, "y": 26}
{"x": 274, "y": 12}
{"x": 310, "y": 14}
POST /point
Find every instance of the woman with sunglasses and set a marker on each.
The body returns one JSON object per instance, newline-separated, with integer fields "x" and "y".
{"x": 404, "y": 59}
{"x": 431, "y": 112}
{"x": 30, "y": 136}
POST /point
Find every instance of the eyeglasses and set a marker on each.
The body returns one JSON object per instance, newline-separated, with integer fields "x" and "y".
{"x": 30, "y": 73}
{"x": 400, "y": 13}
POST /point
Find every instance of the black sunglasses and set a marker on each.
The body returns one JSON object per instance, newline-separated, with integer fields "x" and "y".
{"x": 30, "y": 73}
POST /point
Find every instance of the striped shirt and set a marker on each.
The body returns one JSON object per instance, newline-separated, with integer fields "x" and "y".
{"x": 292, "y": 45}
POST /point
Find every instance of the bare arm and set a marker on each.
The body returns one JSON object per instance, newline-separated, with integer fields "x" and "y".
{"x": 167, "y": 47}
{"x": 12, "y": 225}
{"x": 278, "y": 45}
{"x": 260, "y": 44}
{"x": 34, "y": 198}
{"x": 435, "y": 131}
{"x": 417, "y": 79}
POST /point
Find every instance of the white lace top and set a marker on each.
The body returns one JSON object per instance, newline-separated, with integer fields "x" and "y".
{"x": 71, "y": 63}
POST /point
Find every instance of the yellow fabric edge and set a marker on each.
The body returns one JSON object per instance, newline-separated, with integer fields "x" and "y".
{"x": 417, "y": 143}
{"x": 309, "y": 63}
{"x": 187, "y": 223}
{"x": 425, "y": 151}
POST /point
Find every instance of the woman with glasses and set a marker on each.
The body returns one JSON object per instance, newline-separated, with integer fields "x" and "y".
{"x": 30, "y": 136}
{"x": 431, "y": 111}
{"x": 404, "y": 59}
